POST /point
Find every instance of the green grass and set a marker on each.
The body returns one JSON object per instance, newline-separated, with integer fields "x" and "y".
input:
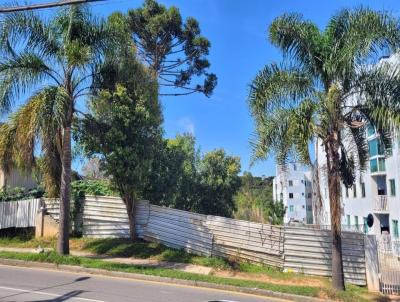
{"x": 52, "y": 257}
{"x": 119, "y": 247}
{"x": 25, "y": 241}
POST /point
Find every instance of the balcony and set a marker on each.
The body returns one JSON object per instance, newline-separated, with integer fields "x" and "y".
{"x": 381, "y": 205}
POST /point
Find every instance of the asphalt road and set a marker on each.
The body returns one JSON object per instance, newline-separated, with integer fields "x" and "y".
{"x": 32, "y": 284}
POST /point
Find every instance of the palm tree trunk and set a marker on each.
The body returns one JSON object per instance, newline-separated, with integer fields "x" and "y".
{"x": 131, "y": 210}
{"x": 65, "y": 191}
{"x": 333, "y": 165}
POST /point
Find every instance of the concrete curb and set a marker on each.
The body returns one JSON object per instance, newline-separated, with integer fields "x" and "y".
{"x": 101, "y": 272}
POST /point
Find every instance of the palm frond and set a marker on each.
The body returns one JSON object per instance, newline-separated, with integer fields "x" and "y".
{"x": 29, "y": 31}
{"x": 19, "y": 74}
{"x": 380, "y": 93}
{"x": 300, "y": 41}
{"x": 277, "y": 87}
{"x": 356, "y": 37}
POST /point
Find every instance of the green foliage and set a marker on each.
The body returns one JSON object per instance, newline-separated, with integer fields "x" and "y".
{"x": 254, "y": 201}
{"x": 123, "y": 127}
{"x": 183, "y": 179}
{"x": 19, "y": 193}
{"x": 173, "y": 179}
{"x": 174, "y": 50}
{"x": 307, "y": 95}
{"x": 52, "y": 61}
{"x": 93, "y": 187}
{"x": 218, "y": 183}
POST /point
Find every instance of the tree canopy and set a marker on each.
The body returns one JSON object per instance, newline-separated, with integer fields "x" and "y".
{"x": 185, "y": 179}
{"x": 254, "y": 201}
{"x": 173, "y": 49}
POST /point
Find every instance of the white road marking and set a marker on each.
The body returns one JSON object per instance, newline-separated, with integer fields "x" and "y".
{"x": 47, "y": 294}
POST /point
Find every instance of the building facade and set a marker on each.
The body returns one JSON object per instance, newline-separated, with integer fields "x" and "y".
{"x": 375, "y": 193}
{"x": 292, "y": 186}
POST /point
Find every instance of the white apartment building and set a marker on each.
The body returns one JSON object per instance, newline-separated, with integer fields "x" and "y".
{"x": 292, "y": 186}
{"x": 375, "y": 194}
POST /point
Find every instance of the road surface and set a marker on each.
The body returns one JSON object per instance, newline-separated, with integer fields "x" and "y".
{"x": 32, "y": 284}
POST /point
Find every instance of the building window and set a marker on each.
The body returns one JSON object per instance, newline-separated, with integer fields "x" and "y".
{"x": 291, "y": 195}
{"x": 291, "y": 208}
{"x": 347, "y": 192}
{"x": 392, "y": 187}
{"x": 354, "y": 191}
{"x": 377, "y": 165}
{"x": 370, "y": 130}
{"x": 376, "y": 147}
{"x": 302, "y": 193}
{"x": 381, "y": 164}
{"x": 309, "y": 195}
{"x": 395, "y": 226}
{"x": 362, "y": 189}
{"x": 294, "y": 167}
{"x": 309, "y": 208}
{"x": 290, "y": 183}
{"x": 348, "y": 221}
{"x": 365, "y": 225}
{"x": 356, "y": 222}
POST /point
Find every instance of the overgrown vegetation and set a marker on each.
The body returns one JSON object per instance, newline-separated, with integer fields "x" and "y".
{"x": 185, "y": 179}
{"x": 254, "y": 201}
{"x": 19, "y": 193}
{"x": 98, "y": 187}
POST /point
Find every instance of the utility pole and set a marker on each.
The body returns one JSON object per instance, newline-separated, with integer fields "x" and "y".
{"x": 43, "y": 5}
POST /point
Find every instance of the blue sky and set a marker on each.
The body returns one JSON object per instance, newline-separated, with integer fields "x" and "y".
{"x": 237, "y": 30}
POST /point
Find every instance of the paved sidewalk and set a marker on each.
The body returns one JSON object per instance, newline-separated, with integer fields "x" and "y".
{"x": 184, "y": 267}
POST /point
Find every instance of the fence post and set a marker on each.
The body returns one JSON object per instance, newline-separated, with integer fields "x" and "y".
{"x": 371, "y": 262}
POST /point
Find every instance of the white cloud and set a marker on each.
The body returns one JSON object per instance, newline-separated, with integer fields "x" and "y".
{"x": 186, "y": 124}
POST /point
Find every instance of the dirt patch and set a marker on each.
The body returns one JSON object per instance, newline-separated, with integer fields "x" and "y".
{"x": 305, "y": 281}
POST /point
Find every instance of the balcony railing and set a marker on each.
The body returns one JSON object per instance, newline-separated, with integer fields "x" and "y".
{"x": 381, "y": 204}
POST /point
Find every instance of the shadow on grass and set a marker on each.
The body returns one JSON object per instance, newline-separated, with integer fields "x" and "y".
{"x": 119, "y": 247}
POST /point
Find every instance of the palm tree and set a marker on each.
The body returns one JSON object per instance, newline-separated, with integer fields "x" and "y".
{"x": 52, "y": 63}
{"x": 327, "y": 89}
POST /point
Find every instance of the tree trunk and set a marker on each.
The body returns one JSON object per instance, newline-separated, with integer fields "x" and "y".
{"x": 131, "y": 210}
{"x": 333, "y": 165}
{"x": 65, "y": 192}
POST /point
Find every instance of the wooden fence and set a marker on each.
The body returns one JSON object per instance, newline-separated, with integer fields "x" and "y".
{"x": 309, "y": 251}
{"x": 18, "y": 214}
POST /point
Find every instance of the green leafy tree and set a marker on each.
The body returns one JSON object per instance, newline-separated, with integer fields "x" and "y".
{"x": 123, "y": 127}
{"x": 174, "y": 174}
{"x": 53, "y": 61}
{"x": 183, "y": 179}
{"x": 254, "y": 201}
{"x": 174, "y": 50}
{"x": 327, "y": 89}
{"x": 218, "y": 183}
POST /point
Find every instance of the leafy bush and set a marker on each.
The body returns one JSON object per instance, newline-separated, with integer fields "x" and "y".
{"x": 19, "y": 193}
{"x": 92, "y": 187}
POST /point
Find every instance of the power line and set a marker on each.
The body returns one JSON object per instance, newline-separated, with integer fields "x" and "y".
{"x": 44, "y": 5}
